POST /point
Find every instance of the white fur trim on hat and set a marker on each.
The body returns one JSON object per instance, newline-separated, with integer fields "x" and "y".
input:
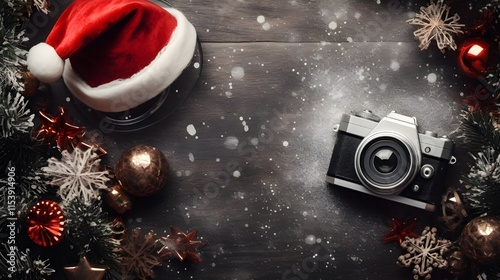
{"x": 44, "y": 63}
{"x": 124, "y": 94}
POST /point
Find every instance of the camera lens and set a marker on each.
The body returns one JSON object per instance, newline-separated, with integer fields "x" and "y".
{"x": 384, "y": 165}
{"x": 385, "y": 160}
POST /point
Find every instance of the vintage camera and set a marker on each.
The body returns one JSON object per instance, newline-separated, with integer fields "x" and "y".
{"x": 389, "y": 158}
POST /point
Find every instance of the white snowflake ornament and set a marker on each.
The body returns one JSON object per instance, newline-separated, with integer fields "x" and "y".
{"x": 436, "y": 23}
{"x": 425, "y": 253}
{"x": 77, "y": 175}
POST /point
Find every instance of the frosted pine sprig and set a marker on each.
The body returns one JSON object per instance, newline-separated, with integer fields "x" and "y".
{"x": 14, "y": 114}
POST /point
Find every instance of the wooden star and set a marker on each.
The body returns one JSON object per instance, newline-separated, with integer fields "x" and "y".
{"x": 180, "y": 245}
{"x": 400, "y": 230}
{"x": 84, "y": 271}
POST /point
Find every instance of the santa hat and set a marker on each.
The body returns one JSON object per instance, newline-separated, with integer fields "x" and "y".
{"x": 115, "y": 54}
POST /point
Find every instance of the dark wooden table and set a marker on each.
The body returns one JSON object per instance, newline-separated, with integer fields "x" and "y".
{"x": 276, "y": 78}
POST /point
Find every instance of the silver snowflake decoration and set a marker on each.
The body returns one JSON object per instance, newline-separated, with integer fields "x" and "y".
{"x": 436, "y": 24}
{"x": 14, "y": 114}
{"x": 77, "y": 175}
{"x": 425, "y": 253}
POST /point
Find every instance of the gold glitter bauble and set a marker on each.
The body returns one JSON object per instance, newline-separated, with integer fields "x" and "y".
{"x": 142, "y": 170}
{"x": 480, "y": 240}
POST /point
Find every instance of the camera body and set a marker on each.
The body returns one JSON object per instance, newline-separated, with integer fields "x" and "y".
{"x": 388, "y": 158}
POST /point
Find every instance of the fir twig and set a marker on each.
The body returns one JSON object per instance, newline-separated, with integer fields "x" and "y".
{"x": 483, "y": 184}
{"x": 90, "y": 230}
{"x": 24, "y": 266}
{"x": 479, "y": 133}
{"x": 12, "y": 54}
{"x": 14, "y": 114}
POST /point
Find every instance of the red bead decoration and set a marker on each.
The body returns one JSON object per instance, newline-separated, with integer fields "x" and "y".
{"x": 45, "y": 223}
{"x": 475, "y": 57}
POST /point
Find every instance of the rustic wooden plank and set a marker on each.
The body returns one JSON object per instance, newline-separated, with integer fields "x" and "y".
{"x": 301, "y": 20}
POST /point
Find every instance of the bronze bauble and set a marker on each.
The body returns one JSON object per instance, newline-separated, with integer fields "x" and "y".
{"x": 480, "y": 240}
{"x": 457, "y": 262}
{"x": 453, "y": 212}
{"x": 31, "y": 84}
{"x": 142, "y": 170}
{"x": 118, "y": 199}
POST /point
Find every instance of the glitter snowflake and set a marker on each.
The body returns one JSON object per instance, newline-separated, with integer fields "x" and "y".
{"x": 139, "y": 254}
{"x": 77, "y": 175}
{"x": 14, "y": 114}
{"x": 425, "y": 253}
{"x": 436, "y": 23}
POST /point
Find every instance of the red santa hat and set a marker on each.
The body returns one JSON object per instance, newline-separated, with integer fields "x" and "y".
{"x": 115, "y": 54}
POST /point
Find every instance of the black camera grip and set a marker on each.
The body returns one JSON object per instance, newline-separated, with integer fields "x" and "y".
{"x": 342, "y": 161}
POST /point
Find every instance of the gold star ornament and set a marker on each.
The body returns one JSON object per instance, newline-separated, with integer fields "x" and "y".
{"x": 84, "y": 271}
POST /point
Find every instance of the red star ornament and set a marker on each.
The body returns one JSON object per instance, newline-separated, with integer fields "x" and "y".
{"x": 400, "y": 230}
{"x": 180, "y": 245}
{"x": 58, "y": 130}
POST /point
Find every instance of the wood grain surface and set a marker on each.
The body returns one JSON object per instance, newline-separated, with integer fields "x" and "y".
{"x": 276, "y": 78}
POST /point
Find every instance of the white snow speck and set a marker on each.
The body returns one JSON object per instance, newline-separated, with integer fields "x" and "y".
{"x": 349, "y": 39}
{"x": 237, "y": 72}
{"x": 191, "y": 157}
{"x": 254, "y": 141}
{"x": 394, "y": 65}
{"x": 236, "y": 174}
{"x": 229, "y": 94}
{"x": 357, "y": 15}
{"x": 285, "y": 143}
{"x": 191, "y": 130}
{"x": 310, "y": 239}
{"x": 261, "y": 19}
{"x": 266, "y": 26}
{"x": 431, "y": 78}
{"x": 231, "y": 142}
{"x": 196, "y": 65}
{"x": 332, "y": 25}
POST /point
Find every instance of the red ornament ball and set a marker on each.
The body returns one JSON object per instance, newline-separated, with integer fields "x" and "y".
{"x": 475, "y": 57}
{"x": 46, "y": 223}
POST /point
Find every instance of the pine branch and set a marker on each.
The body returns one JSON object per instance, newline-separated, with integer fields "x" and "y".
{"x": 493, "y": 80}
{"x": 90, "y": 230}
{"x": 15, "y": 116}
{"x": 26, "y": 267}
{"x": 12, "y": 52}
{"x": 479, "y": 133}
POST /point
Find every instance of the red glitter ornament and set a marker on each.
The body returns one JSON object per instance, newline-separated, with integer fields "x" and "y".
{"x": 400, "y": 230}
{"x": 58, "y": 130}
{"x": 45, "y": 223}
{"x": 180, "y": 245}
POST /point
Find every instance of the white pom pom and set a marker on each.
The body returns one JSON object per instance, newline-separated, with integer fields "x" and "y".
{"x": 44, "y": 63}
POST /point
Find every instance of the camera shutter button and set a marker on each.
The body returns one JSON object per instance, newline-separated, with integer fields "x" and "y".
{"x": 427, "y": 171}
